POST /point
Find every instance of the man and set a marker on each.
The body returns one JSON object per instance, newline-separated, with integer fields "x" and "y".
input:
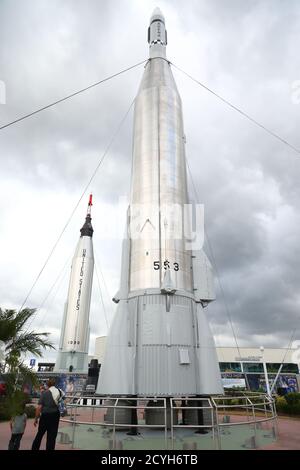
{"x": 47, "y": 414}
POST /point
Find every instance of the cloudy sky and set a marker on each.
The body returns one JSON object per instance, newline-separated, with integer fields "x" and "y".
{"x": 248, "y": 52}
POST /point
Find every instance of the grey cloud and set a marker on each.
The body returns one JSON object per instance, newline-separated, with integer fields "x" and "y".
{"x": 249, "y": 182}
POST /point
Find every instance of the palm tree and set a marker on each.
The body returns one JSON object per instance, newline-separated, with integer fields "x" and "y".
{"x": 18, "y": 340}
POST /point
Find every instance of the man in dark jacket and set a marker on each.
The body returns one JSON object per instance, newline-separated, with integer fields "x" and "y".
{"x": 47, "y": 414}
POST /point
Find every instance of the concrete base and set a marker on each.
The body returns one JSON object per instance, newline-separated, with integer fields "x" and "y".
{"x": 158, "y": 416}
{"x": 120, "y": 415}
{"x": 198, "y": 417}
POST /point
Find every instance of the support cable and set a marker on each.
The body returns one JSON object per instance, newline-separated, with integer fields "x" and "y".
{"x": 78, "y": 202}
{"x": 101, "y": 296}
{"x": 215, "y": 267}
{"x": 58, "y": 281}
{"x": 109, "y": 296}
{"x": 54, "y": 103}
{"x": 283, "y": 359}
{"x": 243, "y": 113}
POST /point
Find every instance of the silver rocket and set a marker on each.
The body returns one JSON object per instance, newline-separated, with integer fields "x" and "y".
{"x": 75, "y": 332}
{"x": 160, "y": 343}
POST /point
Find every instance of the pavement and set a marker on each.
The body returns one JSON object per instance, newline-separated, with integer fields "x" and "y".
{"x": 288, "y": 436}
{"x": 27, "y": 439}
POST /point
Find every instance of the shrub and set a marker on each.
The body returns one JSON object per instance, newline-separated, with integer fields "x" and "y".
{"x": 30, "y": 411}
{"x": 294, "y": 409}
{"x": 290, "y": 408}
{"x": 14, "y": 405}
{"x": 292, "y": 398}
{"x": 235, "y": 401}
{"x": 4, "y": 412}
{"x": 281, "y": 404}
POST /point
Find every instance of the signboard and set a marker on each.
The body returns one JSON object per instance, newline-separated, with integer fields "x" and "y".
{"x": 71, "y": 383}
{"x": 232, "y": 383}
{"x": 287, "y": 383}
{"x": 32, "y": 362}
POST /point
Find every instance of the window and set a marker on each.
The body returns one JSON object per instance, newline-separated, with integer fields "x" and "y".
{"x": 292, "y": 368}
{"x": 287, "y": 368}
{"x": 273, "y": 367}
{"x": 230, "y": 367}
{"x": 253, "y": 367}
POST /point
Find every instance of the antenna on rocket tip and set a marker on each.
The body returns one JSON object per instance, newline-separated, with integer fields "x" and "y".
{"x": 90, "y": 205}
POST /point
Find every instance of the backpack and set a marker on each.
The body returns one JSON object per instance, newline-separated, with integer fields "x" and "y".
{"x": 61, "y": 404}
{"x": 62, "y": 408}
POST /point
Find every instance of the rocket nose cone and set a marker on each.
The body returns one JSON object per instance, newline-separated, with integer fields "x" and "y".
{"x": 157, "y": 15}
{"x": 87, "y": 228}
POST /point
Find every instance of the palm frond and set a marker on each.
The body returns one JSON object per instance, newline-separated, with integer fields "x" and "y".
{"x": 17, "y": 341}
{"x": 30, "y": 342}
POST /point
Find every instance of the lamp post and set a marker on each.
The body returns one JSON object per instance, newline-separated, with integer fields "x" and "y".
{"x": 265, "y": 371}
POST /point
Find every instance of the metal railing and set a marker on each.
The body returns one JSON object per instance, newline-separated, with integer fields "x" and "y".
{"x": 170, "y": 422}
{"x": 253, "y": 402}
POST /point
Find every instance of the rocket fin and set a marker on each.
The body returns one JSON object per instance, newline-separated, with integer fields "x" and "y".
{"x": 203, "y": 277}
{"x": 210, "y": 376}
{"x": 123, "y": 291}
{"x": 117, "y": 370}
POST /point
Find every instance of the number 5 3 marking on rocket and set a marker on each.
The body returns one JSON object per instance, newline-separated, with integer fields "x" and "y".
{"x": 166, "y": 265}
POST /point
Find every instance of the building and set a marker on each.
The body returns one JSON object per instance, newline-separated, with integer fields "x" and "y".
{"x": 245, "y": 367}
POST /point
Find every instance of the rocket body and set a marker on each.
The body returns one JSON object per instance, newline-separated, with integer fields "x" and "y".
{"x": 160, "y": 343}
{"x": 159, "y": 186}
{"x": 74, "y": 340}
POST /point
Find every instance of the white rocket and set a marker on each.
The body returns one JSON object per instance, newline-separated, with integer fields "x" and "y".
{"x": 75, "y": 332}
{"x": 160, "y": 343}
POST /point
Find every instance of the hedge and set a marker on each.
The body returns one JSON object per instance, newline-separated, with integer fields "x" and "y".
{"x": 289, "y": 404}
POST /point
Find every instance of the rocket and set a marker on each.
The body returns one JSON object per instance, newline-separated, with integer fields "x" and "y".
{"x": 160, "y": 343}
{"x": 75, "y": 332}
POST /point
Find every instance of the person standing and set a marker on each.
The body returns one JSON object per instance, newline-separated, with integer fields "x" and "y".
{"x": 48, "y": 414}
{"x": 17, "y": 426}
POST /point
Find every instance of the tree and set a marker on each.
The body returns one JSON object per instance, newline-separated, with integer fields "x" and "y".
{"x": 18, "y": 340}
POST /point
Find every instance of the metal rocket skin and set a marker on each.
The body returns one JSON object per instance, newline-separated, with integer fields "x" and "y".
{"x": 160, "y": 343}
{"x": 74, "y": 340}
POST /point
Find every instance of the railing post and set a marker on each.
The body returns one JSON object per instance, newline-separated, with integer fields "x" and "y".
{"x": 218, "y": 441}
{"x": 172, "y": 430}
{"x": 114, "y": 424}
{"x": 254, "y": 421}
{"x": 73, "y": 429}
{"x": 212, "y": 420}
{"x": 166, "y": 422}
{"x": 93, "y": 410}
